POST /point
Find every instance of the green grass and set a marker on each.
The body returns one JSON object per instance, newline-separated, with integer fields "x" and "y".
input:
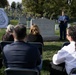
{"x": 49, "y": 49}
{"x": 2, "y": 31}
{"x": 14, "y": 22}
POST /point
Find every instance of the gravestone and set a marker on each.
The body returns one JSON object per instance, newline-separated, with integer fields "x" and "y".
{"x": 74, "y": 23}
{"x": 56, "y": 26}
{"x": 28, "y": 21}
{"x": 22, "y": 20}
{"x": 28, "y": 24}
{"x": 3, "y": 18}
{"x": 69, "y": 25}
{"x": 47, "y": 28}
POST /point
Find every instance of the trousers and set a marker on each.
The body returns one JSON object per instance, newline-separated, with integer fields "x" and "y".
{"x": 57, "y": 69}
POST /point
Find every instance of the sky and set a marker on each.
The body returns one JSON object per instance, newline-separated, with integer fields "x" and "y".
{"x": 10, "y": 1}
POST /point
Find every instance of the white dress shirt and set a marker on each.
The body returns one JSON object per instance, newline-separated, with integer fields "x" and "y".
{"x": 68, "y": 55}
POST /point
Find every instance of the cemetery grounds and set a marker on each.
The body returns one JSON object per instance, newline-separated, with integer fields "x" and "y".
{"x": 49, "y": 49}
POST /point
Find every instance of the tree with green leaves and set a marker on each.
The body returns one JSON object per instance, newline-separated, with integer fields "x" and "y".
{"x": 35, "y": 6}
{"x": 50, "y": 8}
{"x": 3, "y": 3}
{"x": 19, "y": 6}
{"x": 13, "y": 5}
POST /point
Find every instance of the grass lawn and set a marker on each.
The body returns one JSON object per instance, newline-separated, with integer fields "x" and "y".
{"x": 49, "y": 49}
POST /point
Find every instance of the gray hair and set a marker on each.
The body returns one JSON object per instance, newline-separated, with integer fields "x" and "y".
{"x": 10, "y": 28}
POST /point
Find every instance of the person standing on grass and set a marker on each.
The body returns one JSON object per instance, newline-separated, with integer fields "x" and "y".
{"x": 63, "y": 22}
{"x": 65, "y": 59}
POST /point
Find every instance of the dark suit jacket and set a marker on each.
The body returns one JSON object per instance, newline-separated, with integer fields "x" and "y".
{"x": 22, "y": 55}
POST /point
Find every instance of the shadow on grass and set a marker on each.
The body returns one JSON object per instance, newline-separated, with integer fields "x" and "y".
{"x": 51, "y": 47}
{"x": 46, "y": 65}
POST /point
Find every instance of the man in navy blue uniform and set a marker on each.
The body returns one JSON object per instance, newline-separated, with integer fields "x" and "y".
{"x": 63, "y": 22}
{"x": 21, "y": 54}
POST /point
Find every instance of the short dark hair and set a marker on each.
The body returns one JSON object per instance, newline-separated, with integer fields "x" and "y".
{"x": 72, "y": 32}
{"x": 20, "y": 31}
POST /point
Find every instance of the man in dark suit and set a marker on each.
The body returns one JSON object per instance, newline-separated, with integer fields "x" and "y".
{"x": 21, "y": 54}
{"x": 63, "y": 22}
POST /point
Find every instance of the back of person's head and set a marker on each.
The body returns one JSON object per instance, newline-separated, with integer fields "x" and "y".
{"x": 34, "y": 29}
{"x": 7, "y": 37}
{"x": 72, "y": 32}
{"x": 10, "y": 28}
{"x": 19, "y": 32}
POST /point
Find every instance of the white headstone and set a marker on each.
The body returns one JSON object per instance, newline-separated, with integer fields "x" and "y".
{"x": 69, "y": 25}
{"x": 22, "y": 20}
{"x": 28, "y": 24}
{"x": 3, "y": 19}
{"x": 56, "y": 26}
{"x": 47, "y": 28}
